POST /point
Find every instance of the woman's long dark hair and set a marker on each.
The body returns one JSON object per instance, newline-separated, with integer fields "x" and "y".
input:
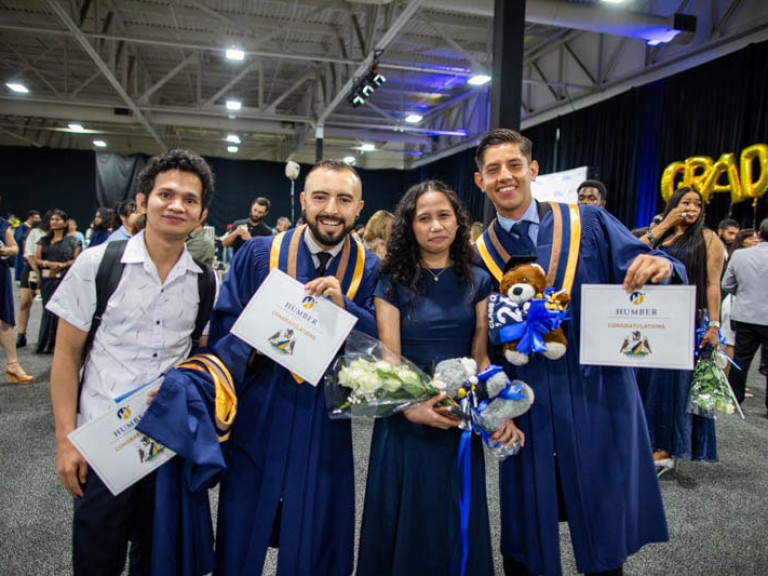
{"x": 106, "y": 219}
{"x": 403, "y": 252}
{"x": 695, "y": 255}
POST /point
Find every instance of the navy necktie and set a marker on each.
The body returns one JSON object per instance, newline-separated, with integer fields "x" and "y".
{"x": 324, "y": 257}
{"x": 521, "y": 231}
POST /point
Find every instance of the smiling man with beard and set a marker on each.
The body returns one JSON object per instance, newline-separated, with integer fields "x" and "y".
{"x": 289, "y": 482}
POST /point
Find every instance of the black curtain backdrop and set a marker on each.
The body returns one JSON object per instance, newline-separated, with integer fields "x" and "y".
{"x": 43, "y": 178}
{"x": 719, "y": 107}
{"x": 627, "y": 141}
{"x": 116, "y": 177}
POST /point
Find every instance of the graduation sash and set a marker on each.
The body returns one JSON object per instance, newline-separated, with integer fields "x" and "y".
{"x": 284, "y": 255}
{"x": 566, "y": 241}
{"x": 224, "y": 388}
{"x": 351, "y": 261}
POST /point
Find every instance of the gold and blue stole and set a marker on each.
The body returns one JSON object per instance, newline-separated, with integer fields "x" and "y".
{"x": 349, "y": 264}
{"x": 225, "y": 398}
{"x": 566, "y": 242}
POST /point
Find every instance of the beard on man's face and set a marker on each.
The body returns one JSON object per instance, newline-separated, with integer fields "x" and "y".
{"x": 323, "y": 238}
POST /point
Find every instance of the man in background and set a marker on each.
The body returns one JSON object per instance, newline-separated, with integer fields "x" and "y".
{"x": 744, "y": 278}
{"x": 244, "y": 230}
{"x": 592, "y": 192}
{"x": 727, "y": 231}
{"x": 200, "y": 244}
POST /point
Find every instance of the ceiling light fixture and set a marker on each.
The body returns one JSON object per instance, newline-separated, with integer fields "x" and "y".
{"x": 234, "y": 138}
{"x": 17, "y": 87}
{"x": 75, "y": 127}
{"x": 479, "y": 79}
{"x": 99, "y": 143}
{"x": 234, "y": 104}
{"x": 367, "y": 147}
{"x": 232, "y": 149}
{"x": 351, "y": 160}
{"x": 414, "y": 118}
{"x": 235, "y": 54}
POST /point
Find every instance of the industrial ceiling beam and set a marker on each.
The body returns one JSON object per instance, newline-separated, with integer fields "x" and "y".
{"x": 91, "y": 51}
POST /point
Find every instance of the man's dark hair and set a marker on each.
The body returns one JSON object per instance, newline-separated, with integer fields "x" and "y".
{"x": 178, "y": 159}
{"x": 728, "y": 223}
{"x": 336, "y": 166}
{"x": 262, "y": 201}
{"x": 764, "y": 230}
{"x": 599, "y": 186}
{"x": 502, "y": 136}
{"x": 32, "y": 213}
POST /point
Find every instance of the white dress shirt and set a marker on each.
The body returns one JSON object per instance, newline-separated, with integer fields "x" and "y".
{"x": 145, "y": 330}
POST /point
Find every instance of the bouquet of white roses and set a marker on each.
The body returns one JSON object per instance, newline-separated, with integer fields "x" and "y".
{"x": 370, "y": 380}
{"x": 710, "y": 389}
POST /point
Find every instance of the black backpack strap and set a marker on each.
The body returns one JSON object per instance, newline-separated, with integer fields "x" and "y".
{"x": 206, "y": 286}
{"x": 107, "y": 278}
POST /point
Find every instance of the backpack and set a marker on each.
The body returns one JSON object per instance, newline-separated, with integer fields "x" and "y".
{"x": 108, "y": 277}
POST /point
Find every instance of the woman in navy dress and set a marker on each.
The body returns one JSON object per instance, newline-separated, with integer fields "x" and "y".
{"x": 14, "y": 373}
{"x": 431, "y": 304}
{"x": 674, "y": 432}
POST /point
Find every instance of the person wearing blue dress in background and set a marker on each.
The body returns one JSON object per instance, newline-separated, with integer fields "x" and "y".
{"x": 674, "y": 432}
{"x": 431, "y": 304}
{"x": 14, "y": 373}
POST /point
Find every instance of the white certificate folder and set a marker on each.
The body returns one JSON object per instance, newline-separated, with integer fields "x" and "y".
{"x": 653, "y": 327}
{"x": 302, "y": 333}
{"x": 120, "y": 454}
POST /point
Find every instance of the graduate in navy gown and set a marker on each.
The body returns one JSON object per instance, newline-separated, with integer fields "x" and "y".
{"x": 431, "y": 304}
{"x": 289, "y": 481}
{"x": 587, "y": 457}
{"x": 674, "y": 432}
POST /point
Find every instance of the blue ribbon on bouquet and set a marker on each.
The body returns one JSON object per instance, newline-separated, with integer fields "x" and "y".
{"x": 464, "y": 467}
{"x": 720, "y": 338}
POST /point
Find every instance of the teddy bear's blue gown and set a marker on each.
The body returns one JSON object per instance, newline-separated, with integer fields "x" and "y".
{"x": 586, "y": 428}
{"x": 411, "y": 514}
{"x": 665, "y": 399}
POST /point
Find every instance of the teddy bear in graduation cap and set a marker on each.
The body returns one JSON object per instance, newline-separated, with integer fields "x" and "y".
{"x": 524, "y": 317}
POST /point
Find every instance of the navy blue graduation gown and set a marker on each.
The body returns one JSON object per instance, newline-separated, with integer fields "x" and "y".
{"x": 181, "y": 417}
{"x": 592, "y": 418}
{"x": 283, "y": 446}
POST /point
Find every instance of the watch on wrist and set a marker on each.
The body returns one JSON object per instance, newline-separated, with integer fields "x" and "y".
{"x": 713, "y": 324}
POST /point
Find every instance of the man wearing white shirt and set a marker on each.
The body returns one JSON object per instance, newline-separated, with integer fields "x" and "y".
{"x": 145, "y": 330}
{"x": 745, "y": 279}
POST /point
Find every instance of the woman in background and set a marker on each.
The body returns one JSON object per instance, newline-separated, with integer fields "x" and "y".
{"x": 377, "y": 232}
{"x": 101, "y": 222}
{"x": 431, "y": 304}
{"x": 14, "y": 373}
{"x": 56, "y": 252}
{"x": 674, "y": 432}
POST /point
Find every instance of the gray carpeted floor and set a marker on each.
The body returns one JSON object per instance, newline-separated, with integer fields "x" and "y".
{"x": 717, "y": 514}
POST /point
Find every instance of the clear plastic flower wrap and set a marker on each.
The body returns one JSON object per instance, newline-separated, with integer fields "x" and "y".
{"x": 369, "y": 380}
{"x": 710, "y": 390}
